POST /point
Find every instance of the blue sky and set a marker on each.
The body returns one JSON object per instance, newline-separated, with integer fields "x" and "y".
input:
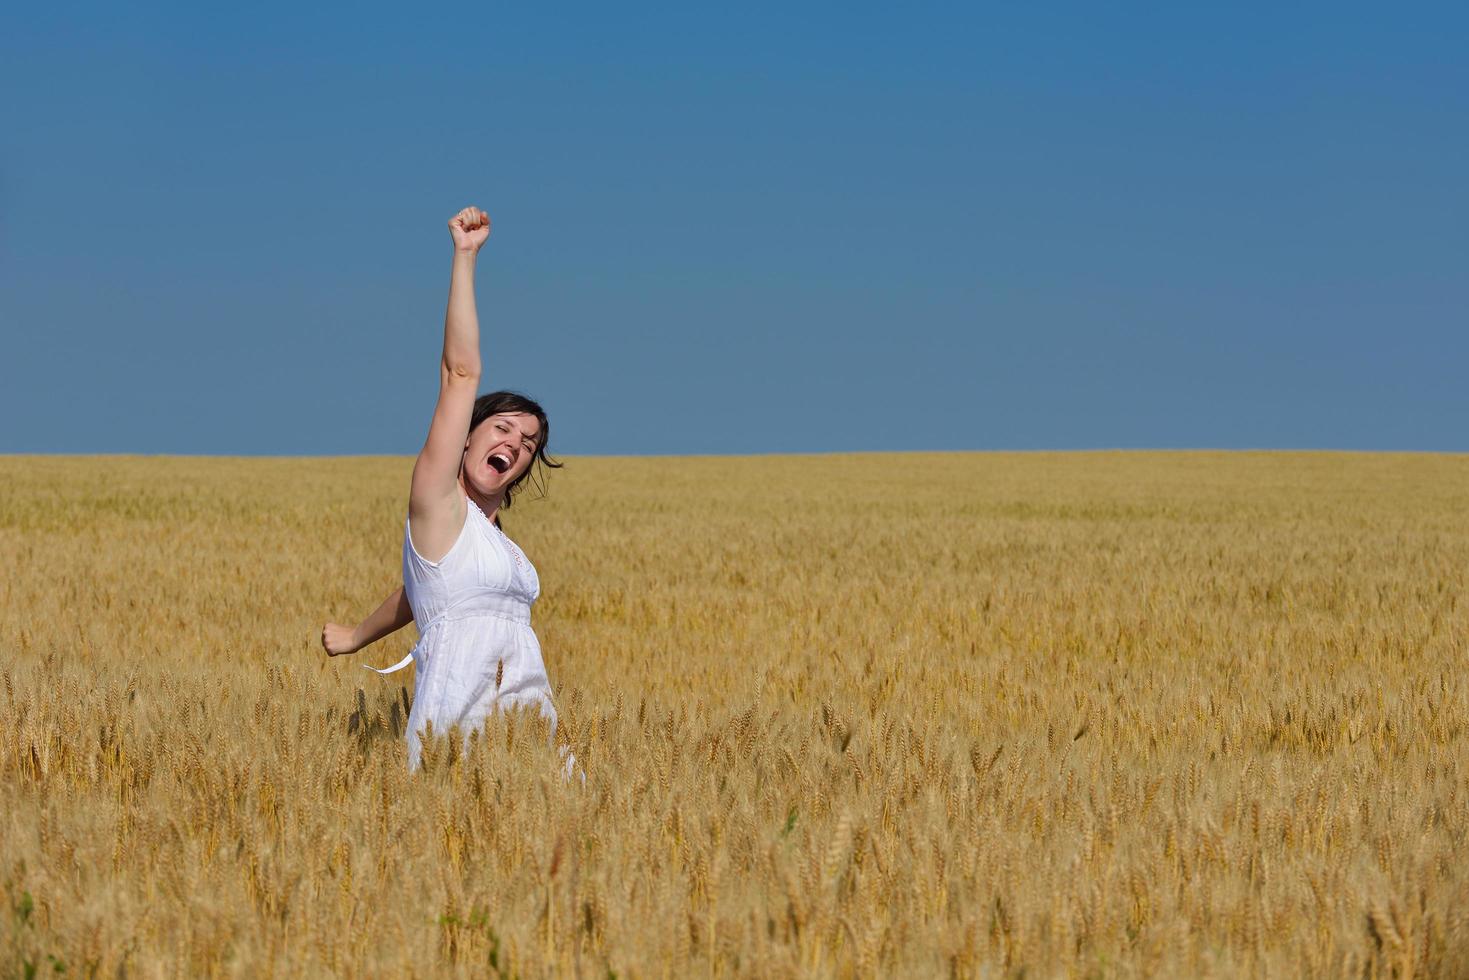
{"x": 739, "y": 228}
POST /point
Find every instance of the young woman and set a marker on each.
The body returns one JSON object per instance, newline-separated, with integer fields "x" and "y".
{"x": 465, "y": 583}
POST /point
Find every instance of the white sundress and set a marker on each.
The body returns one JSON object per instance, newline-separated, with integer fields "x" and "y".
{"x": 476, "y": 651}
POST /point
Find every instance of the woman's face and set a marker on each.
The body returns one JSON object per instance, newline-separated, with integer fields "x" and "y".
{"x": 499, "y": 450}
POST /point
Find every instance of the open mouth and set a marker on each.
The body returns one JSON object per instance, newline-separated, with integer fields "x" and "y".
{"x": 500, "y": 462}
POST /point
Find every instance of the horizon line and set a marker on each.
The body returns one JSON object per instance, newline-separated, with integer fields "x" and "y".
{"x": 1180, "y": 450}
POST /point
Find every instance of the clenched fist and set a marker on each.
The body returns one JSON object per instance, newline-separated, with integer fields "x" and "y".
{"x": 337, "y": 640}
{"x": 470, "y": 228}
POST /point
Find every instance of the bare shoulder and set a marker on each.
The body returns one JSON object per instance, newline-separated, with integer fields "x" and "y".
{"x": 434, "y": 523}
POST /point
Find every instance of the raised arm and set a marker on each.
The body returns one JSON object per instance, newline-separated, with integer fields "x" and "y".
{"x": 435, "y": 501}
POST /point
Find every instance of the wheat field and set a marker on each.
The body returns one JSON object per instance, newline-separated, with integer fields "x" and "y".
{"x": 1090, "y": 714}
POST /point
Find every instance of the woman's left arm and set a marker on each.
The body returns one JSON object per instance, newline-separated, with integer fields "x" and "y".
{"x": 392, "y": 615}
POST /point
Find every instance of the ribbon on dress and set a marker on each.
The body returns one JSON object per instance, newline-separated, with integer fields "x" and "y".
{"x": 397, "y": 666}
{"x": 486, "y": 602}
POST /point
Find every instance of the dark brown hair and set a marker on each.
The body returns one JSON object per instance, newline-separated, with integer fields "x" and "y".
{"x": 513, "y": 402}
